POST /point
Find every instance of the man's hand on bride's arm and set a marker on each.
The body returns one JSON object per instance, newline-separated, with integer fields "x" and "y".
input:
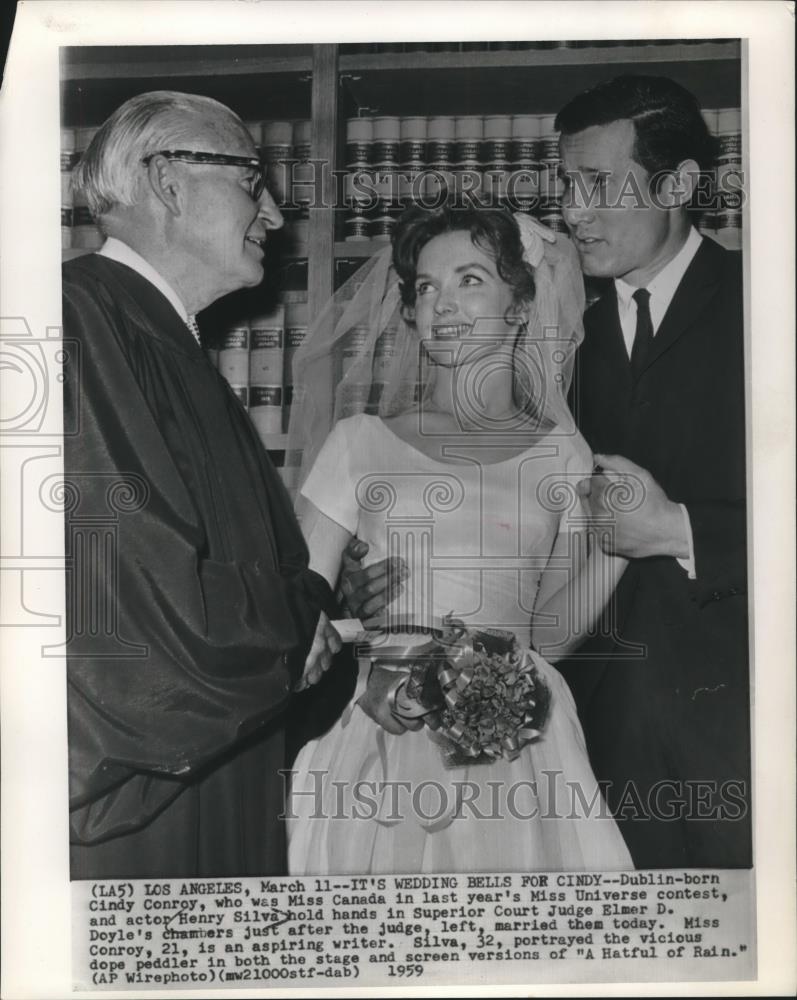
{"x": 326, "y": 642}
{"x": 641, "y": 519}
{"x": 383, "y": 696}
{"x": 366, "y": 591}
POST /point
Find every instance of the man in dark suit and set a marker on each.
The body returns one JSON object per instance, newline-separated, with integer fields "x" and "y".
{"x": 663, "y": 686}
{"x": 663, "y": 689}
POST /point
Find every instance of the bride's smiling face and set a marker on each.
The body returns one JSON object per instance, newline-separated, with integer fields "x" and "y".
{"x": 459, "y": 296}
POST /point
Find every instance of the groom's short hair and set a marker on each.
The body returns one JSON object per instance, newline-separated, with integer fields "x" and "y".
{"x": 668, "y": 124}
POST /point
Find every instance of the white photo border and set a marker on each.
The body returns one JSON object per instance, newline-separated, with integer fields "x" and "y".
{"x": 35, "y": 886}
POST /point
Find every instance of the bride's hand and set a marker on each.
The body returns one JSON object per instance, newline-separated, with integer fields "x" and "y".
{"x": 326, "y": 642}
{"x": 377, "y": 703}
{"x": 366, "y": 592}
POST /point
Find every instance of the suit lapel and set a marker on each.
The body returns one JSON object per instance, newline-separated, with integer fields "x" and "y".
{"x": 698, "y": 286}
{"x": 608, "y": 336}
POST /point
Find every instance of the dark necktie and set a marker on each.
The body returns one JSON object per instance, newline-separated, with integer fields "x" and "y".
{"x": 643, "y": 337}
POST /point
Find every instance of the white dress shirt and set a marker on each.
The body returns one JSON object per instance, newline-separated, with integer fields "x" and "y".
{"x": 662, "y": 289}
{"x": 115, "y": 249}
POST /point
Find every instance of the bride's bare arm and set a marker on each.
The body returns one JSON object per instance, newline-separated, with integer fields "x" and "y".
{"x": 574, "y": 589}
{"x": 326, "y": 540}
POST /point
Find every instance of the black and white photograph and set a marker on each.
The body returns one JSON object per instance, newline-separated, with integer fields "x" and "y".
{"x": 396, "y": 454}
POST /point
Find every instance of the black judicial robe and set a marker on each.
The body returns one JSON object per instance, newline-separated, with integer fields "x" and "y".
{"x": 663, "y": 692}
{"x": 190, "y": 605}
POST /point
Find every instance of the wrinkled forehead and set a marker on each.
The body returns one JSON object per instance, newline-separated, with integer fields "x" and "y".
{"x": 599, "y": 147}
{"x": 220, "y": 133}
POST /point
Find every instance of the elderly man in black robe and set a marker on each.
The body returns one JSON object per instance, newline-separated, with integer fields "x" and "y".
{"x": 193, "y": 614}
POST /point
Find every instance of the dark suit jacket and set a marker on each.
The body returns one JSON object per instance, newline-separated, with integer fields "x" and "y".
{"x": 663, "y": 689}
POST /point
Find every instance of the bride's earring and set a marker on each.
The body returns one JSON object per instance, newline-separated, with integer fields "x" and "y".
{"x": 517, "y": 315}
{"x": 519, "y": 320}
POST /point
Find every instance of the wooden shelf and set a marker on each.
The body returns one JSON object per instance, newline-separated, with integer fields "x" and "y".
{"x": 602, "y": 55}
{"x": 536, "y": 81}
{"x": 257, "y": 82}
{"x": 101, "y": 62}
{"x": 254, "y": 97}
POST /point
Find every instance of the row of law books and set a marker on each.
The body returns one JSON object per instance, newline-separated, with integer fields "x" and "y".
{"x": 510, "y": 160}
{"x": 256, "y": 355}
{"x": 393, "y": 161}
{"x": 725, "y": 189}
{"x": 377, "y": 224}
{"x": 392, "y": 142}
{"x": 78, "y": 229}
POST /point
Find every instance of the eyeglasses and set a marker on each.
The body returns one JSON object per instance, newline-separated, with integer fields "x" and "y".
{"x": 256, "y": 183}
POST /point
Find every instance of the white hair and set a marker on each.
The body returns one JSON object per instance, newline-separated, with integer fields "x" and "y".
{"x": 110, "y": 171}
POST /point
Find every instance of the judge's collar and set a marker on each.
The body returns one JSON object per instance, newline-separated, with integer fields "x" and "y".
{"x": 116, "y": 249}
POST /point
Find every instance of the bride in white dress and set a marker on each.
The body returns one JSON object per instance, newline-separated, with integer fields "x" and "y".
{"x": 467, "y": 468}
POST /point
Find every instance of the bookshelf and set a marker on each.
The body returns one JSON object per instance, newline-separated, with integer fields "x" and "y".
{"x": 330, "y": 84}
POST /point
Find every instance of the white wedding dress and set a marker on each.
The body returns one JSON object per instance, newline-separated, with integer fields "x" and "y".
{"x": 476, "y": 537}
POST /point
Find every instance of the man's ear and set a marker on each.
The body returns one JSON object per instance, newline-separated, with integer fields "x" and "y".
{"x": 678, "y": 186}
{"x": 165, "y": 184}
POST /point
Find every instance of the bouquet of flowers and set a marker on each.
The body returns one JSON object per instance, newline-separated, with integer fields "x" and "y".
{"x": 478, "y": 690}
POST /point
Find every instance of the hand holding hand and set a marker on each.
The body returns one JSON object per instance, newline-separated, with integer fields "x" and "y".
{"x": 326, "y": 643}
{"x": 641, "y": 519}
{"x": 366, "y": 592}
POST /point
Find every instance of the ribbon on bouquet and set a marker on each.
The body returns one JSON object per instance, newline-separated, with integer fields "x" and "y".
{"x": 475, "y": 687}
{"x": 416, "y": 691}
{"x": 495, "y": 706}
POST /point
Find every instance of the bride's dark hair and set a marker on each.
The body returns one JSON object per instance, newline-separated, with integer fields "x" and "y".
{"x": 362, "y": 353}
{"x": 493, "y": 230}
